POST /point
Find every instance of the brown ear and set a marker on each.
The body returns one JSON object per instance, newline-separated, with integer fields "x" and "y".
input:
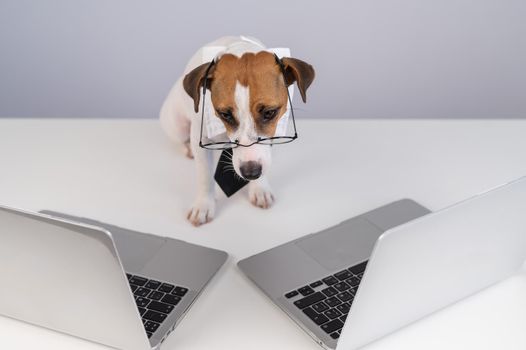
{"x": 300, "y": 72}
{"x": 193, "y": 82}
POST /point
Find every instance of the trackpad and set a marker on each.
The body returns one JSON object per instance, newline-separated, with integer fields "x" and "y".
{"x": 344, "y": 244}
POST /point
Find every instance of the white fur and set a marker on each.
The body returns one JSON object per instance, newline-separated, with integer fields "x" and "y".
{"x": 246, "y": 133}
{"x": 183, "y": 125}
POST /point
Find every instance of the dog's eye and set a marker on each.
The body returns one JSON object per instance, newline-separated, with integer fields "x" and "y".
{"x": 269, "y": 114}
{"x": 226, "y": 116}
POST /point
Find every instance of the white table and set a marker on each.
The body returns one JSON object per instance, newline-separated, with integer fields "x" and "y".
{"x": 126, "y": 172}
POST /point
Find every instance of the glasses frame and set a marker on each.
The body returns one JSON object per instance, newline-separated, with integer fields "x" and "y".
{"x": 233, "y": 144}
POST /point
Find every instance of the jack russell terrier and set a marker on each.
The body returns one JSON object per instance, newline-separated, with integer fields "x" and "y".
{"x": 248, "y": 97}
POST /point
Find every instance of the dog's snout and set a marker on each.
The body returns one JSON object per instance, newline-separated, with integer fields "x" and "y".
{"x": 250, "y": 170}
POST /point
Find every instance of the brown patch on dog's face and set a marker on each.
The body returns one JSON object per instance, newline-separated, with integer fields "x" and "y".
{"x": 268, "y": 95}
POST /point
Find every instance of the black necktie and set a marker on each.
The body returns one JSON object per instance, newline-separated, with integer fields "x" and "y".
{"x": 226, "y": 176}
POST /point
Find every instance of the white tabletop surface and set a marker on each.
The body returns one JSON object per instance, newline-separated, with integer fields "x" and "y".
{"x": 126, "y": 172}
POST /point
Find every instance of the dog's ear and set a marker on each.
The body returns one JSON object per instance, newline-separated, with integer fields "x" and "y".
{"x": 193, "y": 82}
{"x": 300, "y": 72}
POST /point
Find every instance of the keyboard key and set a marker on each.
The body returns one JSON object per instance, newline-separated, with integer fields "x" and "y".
{"x": 341, "y": 286}
{"x": 317, "y": 318}
{"x": 345, "y": 296}
{"x": 142, "y": 311}
{"x": 333, "y": 313}
{"x": 154, "y": 316}
{"x": 330, "y": 280}
{"x": 142, "y": 292}
{"x": 161, "y": 307}
{"x": 128, "y": 276}
{"x": 335, "y": 335}
{"x": 171, "y": 299}
{"x": 353, "y": 290}
{"x": 133, "y": 287}
{"x": 180, "y": 291}
{"x": 166, "y": 288}
{"x": 155, "y": 295}
{"x": 332, "y": 326}
{"x": 309, "y": 300}
{"x": 343, "y": 318}
{"x": 358, "y": 269}
{"x": 153, "y": 284}
{"x": 291, "y": 294}
{"x": 316, "y": 284}
{"x": 354, "y": 281}
{"x": 344, "y": 308}
{"x": 329, "y": 291}
{"x": 320, "y": 307}
{"x": 343, "y": 275}
{"x": 306, "y": 291}
{"x": 141, "y": 302}
{"x": 138, "y": 281}
{"x": 333, "y": 301}
{"x": 151, "y": 326}
{"x": 149, "y": 334}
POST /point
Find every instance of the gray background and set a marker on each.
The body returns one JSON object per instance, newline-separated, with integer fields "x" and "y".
{"x": 374, "y": 58}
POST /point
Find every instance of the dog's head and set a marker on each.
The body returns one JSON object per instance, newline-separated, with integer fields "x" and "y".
{"x": 249, "y": 94}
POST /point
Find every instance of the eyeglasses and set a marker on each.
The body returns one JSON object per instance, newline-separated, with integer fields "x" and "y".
{"x": 274, "y": 140}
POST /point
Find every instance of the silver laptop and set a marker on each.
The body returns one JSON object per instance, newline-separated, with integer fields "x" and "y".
{"x": 96, "y": 281}
{"x": 358, "y": 281}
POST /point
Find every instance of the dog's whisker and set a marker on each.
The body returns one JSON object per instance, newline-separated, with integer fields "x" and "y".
{"x": 229, "y": 171}
{"x": 228, "y": 168}
{"x": 237, "y": 176}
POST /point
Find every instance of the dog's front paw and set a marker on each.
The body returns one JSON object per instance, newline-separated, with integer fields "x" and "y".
{"x": 202, "y": 211}
{"x": 260, "y": 195}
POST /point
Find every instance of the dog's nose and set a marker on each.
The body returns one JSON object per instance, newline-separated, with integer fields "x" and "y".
{"x": 250, "y": 170}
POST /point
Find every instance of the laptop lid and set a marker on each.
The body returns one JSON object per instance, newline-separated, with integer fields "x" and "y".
{"x": 429, "y": 263}
{"x": 66, "y": 277}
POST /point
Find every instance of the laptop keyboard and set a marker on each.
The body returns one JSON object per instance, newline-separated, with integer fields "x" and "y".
{"x": 155, "y": 300}
{"x": 327, "y": 302}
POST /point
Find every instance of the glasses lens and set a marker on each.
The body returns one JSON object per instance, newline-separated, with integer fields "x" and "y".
{"x": 276, "y": 140}
{"x": 220, "y": 146}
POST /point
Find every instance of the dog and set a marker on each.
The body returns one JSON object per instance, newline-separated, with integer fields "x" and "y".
{"x": 248, "y": 94}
